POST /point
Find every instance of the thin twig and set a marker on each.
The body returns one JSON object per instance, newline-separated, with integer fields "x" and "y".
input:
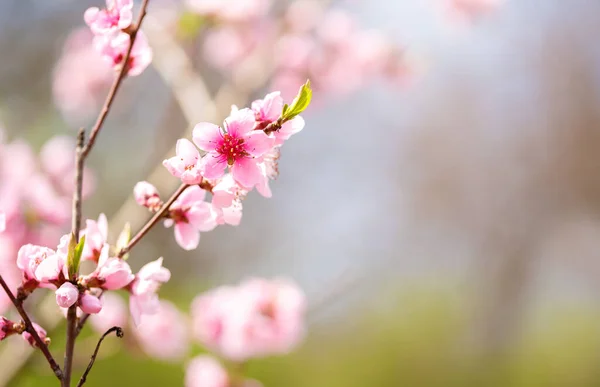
{"x": 29, "y": 327}
{"x": 152, "y": 221}
{"x": 116, "y": 84}
{"x": 119, "y": 332}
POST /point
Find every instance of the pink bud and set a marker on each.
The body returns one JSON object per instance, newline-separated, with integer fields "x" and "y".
{"x": 67, "y": 295}
{"x": 90, "y": 304}
{"x": 146, "y": 194}
{"x": 6, "y": 327}
{"x": 29, "y": 338}
{"x": 113, "y": 273}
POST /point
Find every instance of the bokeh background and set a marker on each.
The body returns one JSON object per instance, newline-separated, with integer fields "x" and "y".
{"x": 445, "y": 228}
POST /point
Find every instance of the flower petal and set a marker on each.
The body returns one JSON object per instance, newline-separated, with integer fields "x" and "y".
{"x": 257, "y": 143}
{"x": 187, "y": 236}
{"x": 213, "y": 165}
{"x": 246, "y": 172}
{"x": 240, "y": 123}
{"x": 207, "y": 136}
{"x": 187, "y": 152}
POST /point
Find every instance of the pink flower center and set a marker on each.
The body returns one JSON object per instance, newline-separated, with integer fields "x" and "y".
{"x": 233, "y": 148}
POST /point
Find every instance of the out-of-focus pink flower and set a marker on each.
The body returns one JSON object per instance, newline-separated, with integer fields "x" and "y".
{"x": 96, "y": 233}
{"x": 230, "y": 11}
{"x": 238, "y": 147}
{"x": 118, "y": 15}
{"x": 164, "y": 334}
{"x": 143, "y": 299}
{"x": 225, "y": 46}
{"x": 335, "y": 28}
{"x": 67, "y": 295}
{"x": 186, "y": 165}
{"x": 114, "y": 50}
{"x": 113, "y": 313}
{"x": 112, "y": 273}
{"x": 191, "y": 215}
{"x": 146, "y": 195}
{"x": 293, "y": 52}
{"x": 304, "y": 15}
{"x": 29, "y": 338}
{"x": 56, "y": 159}
{"x": 468, "y": 10}
{"x": 81, "y": 80}
{"x": 90, "y": 304}
{"x": 205, "y": 371}
{"x": 2, "y": 221}
{"x": 257, "y": 318}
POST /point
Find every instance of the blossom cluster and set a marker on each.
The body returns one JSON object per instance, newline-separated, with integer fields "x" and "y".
{"x": 241, "y": 155}
{"x": 326, "y": 46}
{"x": 112, "y": 36}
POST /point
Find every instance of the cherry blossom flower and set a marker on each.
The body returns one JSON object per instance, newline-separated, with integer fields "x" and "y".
{"x": 67, "y": 295}
{"x": 118, "y": 15}
{"x": 255, "y": 319}
{"x": 143, "y": 299}
{"x": 114, "y": 50}
{"x": 237, "y": 146}
{"x": 96, "y": 233}
{"x": 186, "y": 164}
{"x": 191, "y": 215}
{"x": 29, "y": 259}
{"x": 164, "y": 334}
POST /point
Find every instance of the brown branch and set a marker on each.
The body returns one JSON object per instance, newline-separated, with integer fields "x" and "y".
{"x": 153, "y": 220}
{"x": 119, "y": 333}
{"x": 29, "y": 328}
{"x": 116, "y": 84}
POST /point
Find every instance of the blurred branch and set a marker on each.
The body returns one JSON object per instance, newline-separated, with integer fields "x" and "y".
{"x": 119, "y": 333}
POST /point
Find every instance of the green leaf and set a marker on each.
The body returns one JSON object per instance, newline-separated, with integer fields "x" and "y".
{"x": 74, "y": 255}
{"x": 123, "y": 240}
{"x": 299, "y": 104}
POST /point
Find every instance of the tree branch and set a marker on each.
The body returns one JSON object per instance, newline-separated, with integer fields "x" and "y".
{"x": 29, "y": 327}
{"x": 119, "y": 333}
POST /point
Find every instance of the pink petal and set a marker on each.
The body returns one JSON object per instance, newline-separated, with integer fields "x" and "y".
{"x": 187, "y": 152}
{"x": 66, "y": 295}
{"x": 174, "y": 165}
{"x": 201, "y": 217}
{"x": 191, "y": 176}
{"x": 258, "y": 143}
{"x": 91, "y": 15}
{"x": 90, "y": 304}
{"x": 187, "y": 236}
{"x": 213, "y": 165}
{"x": 246, "y": 172}
{"x": 207, "y": 136}
{"x": 191, "y": 196}
{"x": 240, "y": 122}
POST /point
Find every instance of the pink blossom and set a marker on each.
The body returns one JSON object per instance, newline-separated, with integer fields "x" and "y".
{"x": 237, "y": 146}
{"x": 96, "y": 233}
{"x": 231, "y": 11}
{"x": 226, "y": 191}
{"x": 146, "y": 195}
{"x": 206, "y": 371}
{"x": 113, "y": 313}
{"x": 186, "y": 164}
{"x": 30, "y": 257}
{"x": 191, "y": 215}
{"x": 257, "y": 318}
{"x": 29, "y": 338}
{"x": 118, "y": 15}
{"x": 268, "y": 110}
{"x": 90, "y": 304}
{"x": 468, "y": 10}
{"x": 164, "y": 335}
{"x": 269, "y": 171}
{"x": 114, "y": 50}
{"x": 143, "y": 299}
{"x": 67, "y": 295}
{"x": 225, "y": 46}
{"x": 2, "y": 221}
{"x": 80, "y": 80}
{"x": 304, "y": 15}
{"x": 111, "y": 273}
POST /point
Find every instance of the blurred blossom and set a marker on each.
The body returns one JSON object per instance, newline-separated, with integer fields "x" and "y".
{"x": 81, "y": 78}
{"x": 113, "y": 313}
{"x": 164, "y": 334}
